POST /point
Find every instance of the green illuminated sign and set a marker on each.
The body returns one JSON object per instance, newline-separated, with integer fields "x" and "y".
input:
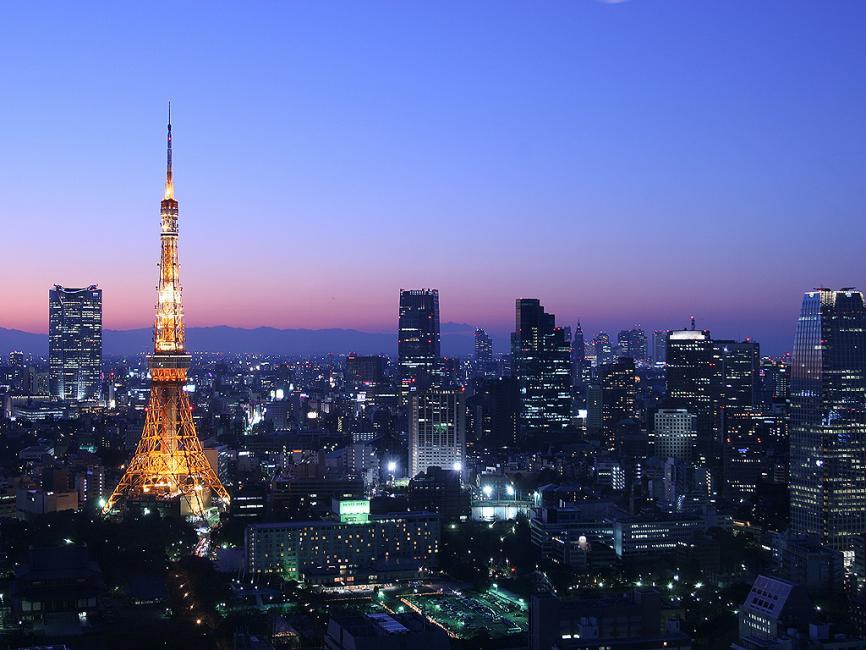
{"x": 354, "y": 511}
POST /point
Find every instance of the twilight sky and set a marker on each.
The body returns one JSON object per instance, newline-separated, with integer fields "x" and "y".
{"x": 629, "y": 162}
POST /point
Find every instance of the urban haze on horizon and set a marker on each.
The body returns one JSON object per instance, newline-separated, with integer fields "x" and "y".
{"x": 461, "y": 326}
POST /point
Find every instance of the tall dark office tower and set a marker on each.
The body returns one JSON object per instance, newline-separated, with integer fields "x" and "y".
{"x": 74, "y": 342}
{"x": 622, "y": 343}
{"x": 737, "y": 378}
{"x": 660, "y": 345}
{"x": 542, "y": 366}
{"x": 744, "y": 452}
{"x": 484, "y": 364}
{"x": 737, "y": 373}
{"x": 566, "y": 329}
{"x": 581, "y": 369}
{"x": 578, "y": 347}
{"x": 418, "y": 342}
{"x": 603, "y": 350}
{"x": 632, "y": 343}
{"x": 368, "y": 376}
{"x": 618, "y": 399}
{"x": 775, "y": 380}
{"x": 366, "y": 370}
{"x": 493, "y": 413}
{"x": 638, "y": 344}
{"x": 690, "y": 376}
{"x": 483, "y": 346}
{"x": 828, "y": 422}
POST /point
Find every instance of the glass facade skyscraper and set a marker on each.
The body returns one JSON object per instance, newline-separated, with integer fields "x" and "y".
{"x": 484, "y": 365}
{"x": 660, "y": 346}
{"x": 632, "y": 343}
{"x": 75, "y": 342}
{"x": 737, "y": 386}
{"x": 737, "y": 373}
{"x": 745, "y": 448}
{"x": 418, "y": 343}
{"x": 542, "y": 367}
{"x": 690, "y": 375}
{"x": 581, "y": 369}
{"x": 603, "y": 349}
{"x": 828, "y": 418}
{"x": 578, "y": 348}
{"x": 483, "y": 346}
{"x": 493, "y": 413}
{"x": 618, "y": 384}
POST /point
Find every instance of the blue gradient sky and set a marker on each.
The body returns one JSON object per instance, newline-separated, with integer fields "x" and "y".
{"x": 627, "y": 162}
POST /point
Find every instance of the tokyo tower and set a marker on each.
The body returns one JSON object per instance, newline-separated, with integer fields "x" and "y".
{"x": 169, "y": 462}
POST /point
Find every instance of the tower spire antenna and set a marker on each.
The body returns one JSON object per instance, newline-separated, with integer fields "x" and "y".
{"x": 169, "y": 183}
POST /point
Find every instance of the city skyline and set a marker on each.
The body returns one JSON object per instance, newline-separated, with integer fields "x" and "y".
{"x": 466, "y": 325}
{"x": 625, "y": 204}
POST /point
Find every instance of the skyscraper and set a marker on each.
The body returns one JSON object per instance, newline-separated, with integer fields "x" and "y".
{"x": 484, "y": 366}
{"x": 660, "y": 346}
{"x": 75, "y": 342}
{"x": 616, "y": 400}
{"x": 738, "y": 373}
{"x": 674, "y": 433}
{"x": 775, "y": 379}
{"x": 578, "y": 348}
{"x": 603, "y": 350}
{"x": 542, "y": 367}
{"x": 483, "y": 346}
{"x": 744, "y": 452}
{"x": 828, "y": 418}
{"x": 169, "y": 463}
{"x": 437, "y": 429}
{"x": 632, "y": 343}
{"x": 494, "y": 413}
{"x": 581, "y": 370}
{"x": 690, "y": 374}
{"x": 418, "y": 343}
{"x": 737, "y": 387}
{"x": 366, "y": 370}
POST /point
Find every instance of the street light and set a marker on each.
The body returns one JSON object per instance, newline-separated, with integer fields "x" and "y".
{"x": 488, "y": 490}
{"x": 509, "y": 490}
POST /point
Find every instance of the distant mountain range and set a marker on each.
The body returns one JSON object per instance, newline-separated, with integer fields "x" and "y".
{"x": 457, "y": 340}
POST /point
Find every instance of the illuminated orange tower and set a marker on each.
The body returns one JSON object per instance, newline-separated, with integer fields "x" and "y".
{"x": 169, "y": 462}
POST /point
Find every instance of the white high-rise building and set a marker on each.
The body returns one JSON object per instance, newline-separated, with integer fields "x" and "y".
{"x": 437, "y": 430}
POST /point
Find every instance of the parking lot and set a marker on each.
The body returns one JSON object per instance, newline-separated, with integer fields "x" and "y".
{"x": 465, "y": 615}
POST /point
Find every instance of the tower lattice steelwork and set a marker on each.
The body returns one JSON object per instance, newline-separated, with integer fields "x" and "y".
{"x": 169, "y": 462}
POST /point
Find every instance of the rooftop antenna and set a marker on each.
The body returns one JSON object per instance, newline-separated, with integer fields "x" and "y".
{"x": 169, "y": 180}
